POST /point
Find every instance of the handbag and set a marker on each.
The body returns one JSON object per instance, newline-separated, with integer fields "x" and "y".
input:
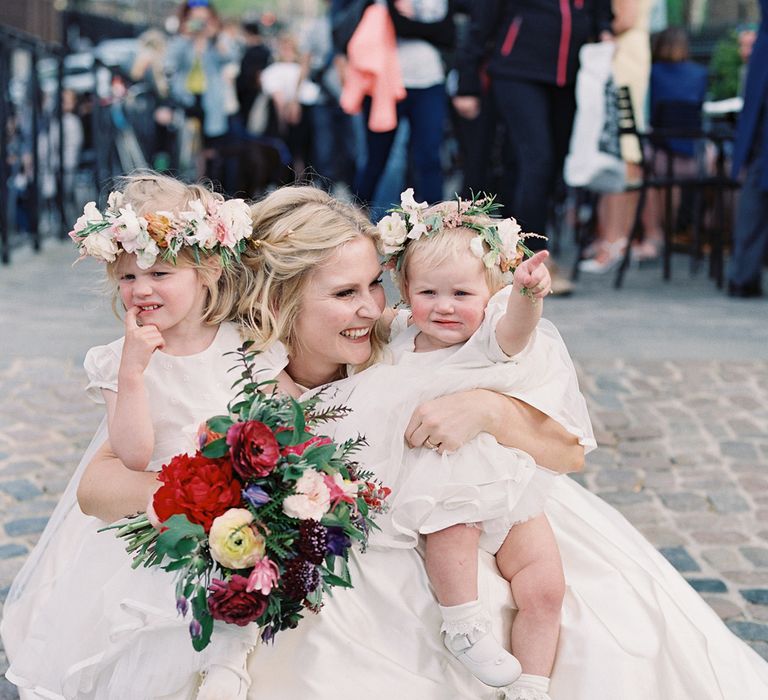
{"x": 345, "y": 21}
{"x": 594, "y": 158}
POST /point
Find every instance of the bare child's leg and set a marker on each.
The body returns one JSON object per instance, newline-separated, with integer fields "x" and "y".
{"x": 530, "y": 560}
{"x": 451, "y": 563}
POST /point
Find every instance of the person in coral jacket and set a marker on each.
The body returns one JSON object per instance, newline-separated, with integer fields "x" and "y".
{"x": 532, "y": 70}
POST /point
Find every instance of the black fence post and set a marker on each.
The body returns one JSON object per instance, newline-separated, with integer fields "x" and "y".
{"x": 62, "y": 190}
{"x": 34, "y": 195}
{"x": 5, "y": 112}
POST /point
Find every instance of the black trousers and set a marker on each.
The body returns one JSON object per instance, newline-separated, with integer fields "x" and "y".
{"x": 750, "y": 231}
{"x": 539, "y": 119}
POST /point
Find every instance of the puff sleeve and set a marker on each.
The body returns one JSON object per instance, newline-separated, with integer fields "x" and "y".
{"x": 101, "y": 365}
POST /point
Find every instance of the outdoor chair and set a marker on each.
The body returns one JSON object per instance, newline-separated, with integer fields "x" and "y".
{"x": 676, "y": 138}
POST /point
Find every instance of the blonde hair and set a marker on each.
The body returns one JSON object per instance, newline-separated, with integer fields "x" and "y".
{"x": 295, "y": 230}
{"x": 446, "y": 244}
{"x": 148, "y": 192}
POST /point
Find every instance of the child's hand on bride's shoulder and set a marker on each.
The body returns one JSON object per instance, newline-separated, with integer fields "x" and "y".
{"x": 140, "y": 343}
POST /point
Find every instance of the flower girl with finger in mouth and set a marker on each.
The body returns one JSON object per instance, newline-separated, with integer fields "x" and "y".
{"x": 172, "y": 252}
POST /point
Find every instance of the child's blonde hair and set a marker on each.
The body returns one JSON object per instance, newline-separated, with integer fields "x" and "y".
{"x": 447, "y": 244}
{"x": 149, "y": 192}
{"x": 295, "y": 230}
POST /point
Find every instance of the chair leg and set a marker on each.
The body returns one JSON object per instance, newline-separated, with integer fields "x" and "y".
{"x": 634, "y": 235}
{"x": 581, "y": 228}
{"x": 717, "y": 236}
{"x": 697, "y": 242}
{"x": 668, "y": 229}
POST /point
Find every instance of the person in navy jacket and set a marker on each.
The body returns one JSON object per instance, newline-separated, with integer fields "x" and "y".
{"x": 750, "y": 234}
{"x": 532, "y": 70}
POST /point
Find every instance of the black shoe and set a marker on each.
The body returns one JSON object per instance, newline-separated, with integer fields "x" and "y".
{"x": 750, "y": 290}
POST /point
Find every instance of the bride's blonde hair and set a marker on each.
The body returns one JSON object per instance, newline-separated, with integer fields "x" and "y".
{"x": 148, "y": 192}
{"x": 295, "y": 230}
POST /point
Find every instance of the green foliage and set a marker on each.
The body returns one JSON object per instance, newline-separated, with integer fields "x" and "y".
{"x": 725, "y": 68}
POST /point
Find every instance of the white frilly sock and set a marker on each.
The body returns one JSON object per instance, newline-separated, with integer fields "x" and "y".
{"x": 464, "y": 618}
{"x": 527, "y": 687}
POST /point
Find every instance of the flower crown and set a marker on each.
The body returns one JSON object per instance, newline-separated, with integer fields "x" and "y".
{"x": 218, "y": 228}
{"x": 498, "y": 241}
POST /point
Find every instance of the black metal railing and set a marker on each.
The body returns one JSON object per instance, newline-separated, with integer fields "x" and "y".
{"x": 29, "y": 114}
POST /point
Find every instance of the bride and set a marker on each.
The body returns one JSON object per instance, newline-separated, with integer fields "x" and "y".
{"x": 632, "y": 628}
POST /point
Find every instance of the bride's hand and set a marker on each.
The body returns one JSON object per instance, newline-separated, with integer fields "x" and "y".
{"x": 448, "y": 422}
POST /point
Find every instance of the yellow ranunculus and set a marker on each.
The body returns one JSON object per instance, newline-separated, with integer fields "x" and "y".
{"x": 233, "y": 542}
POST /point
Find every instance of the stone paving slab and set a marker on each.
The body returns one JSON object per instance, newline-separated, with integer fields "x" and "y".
{"x": 682, "y": 426}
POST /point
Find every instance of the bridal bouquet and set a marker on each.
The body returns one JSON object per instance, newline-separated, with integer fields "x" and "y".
{"x": 258, "y": 523}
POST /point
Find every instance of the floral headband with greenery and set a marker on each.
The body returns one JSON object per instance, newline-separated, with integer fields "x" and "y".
{"x": 218, "y": 228}
{"x": 498, "y": 241}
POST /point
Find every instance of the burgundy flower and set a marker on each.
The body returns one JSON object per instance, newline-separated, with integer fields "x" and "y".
{"x": 253, "y": 448}
{"x": 230, "y": 602}
{"x": 300, "y": 578}
{"x": 198, "y": 487}
{"x": 312, "y": 541}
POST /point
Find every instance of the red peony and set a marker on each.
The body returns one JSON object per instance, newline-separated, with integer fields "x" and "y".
{"x": 299, "y": 449}
{"x": 253, "y": 449}
{"x": 229, "y": 601}
{"x": 198, "y": 487}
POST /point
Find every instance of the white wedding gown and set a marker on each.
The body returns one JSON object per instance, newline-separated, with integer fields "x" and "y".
{"x": 632, "y": 628}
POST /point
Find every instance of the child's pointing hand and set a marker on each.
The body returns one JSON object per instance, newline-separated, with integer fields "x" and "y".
{"x": 532, "y": 276}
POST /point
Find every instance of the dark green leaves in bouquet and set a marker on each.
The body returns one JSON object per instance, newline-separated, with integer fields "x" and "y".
{"x": 180, "y": 538}
{"x": 216, "y": 448}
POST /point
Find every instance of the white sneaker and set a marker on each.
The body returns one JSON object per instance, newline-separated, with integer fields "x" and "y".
{"x": 485, "y": 658}
{"x": 224, "y": 682}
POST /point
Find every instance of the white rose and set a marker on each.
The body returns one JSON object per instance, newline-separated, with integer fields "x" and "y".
{"x": 236, "y": 215}
{"x": 202, "y": 234}
{"x": 196, "y": 211}
{"x": 303, "y": 507}
{"x": 409, "y": 204}
{"x": 115, "y": 201}
{"x": 90, "y": 215}
{"x": 477, "y": 247}
{"x": 130, "y": 230}
{"x": 312, "y": 500}
{"x": 417, "y": 231}
{"x": 146, "y": 256}
{"x": 509, "y": 233}
{"x": 101, "y": 244}
{"x": 392, "y": 232}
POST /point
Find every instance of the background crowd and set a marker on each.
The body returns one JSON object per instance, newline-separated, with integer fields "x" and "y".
{"x": 445, "y": 96}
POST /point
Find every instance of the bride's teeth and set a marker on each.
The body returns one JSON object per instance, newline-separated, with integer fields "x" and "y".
{"x": 355, "y": 334}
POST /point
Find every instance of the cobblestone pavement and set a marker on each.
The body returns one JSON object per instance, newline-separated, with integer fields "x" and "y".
{"x": 683, "y": 443}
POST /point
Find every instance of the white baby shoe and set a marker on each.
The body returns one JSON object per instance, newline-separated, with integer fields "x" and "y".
{"x": 485, "y": 658}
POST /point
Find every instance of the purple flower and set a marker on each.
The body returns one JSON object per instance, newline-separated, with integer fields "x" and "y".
{"x": 195, "y": 629}
{"x": 256, "y": 496}
{"x": 337, "y": 541}
{"x": 268, "y": 634}
{"x": 182, "y": 606}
